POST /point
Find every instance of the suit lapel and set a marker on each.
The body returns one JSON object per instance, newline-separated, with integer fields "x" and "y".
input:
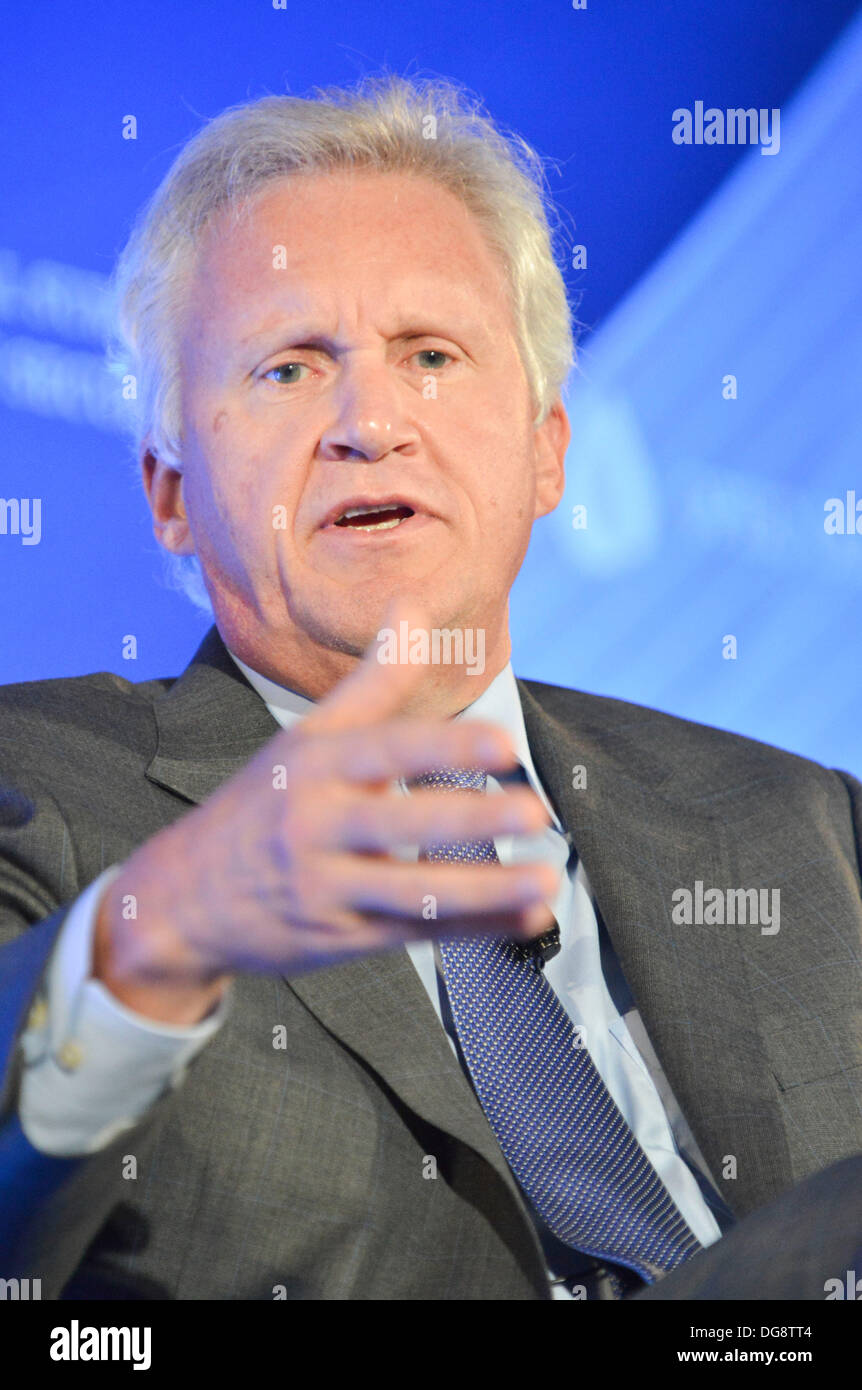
{"x": 378, "y": 1008}
{"x": 690, "y": 983}
{"x": 209, "y": 724}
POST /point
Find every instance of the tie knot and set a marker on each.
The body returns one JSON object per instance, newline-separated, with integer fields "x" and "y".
{"x": 454, "y": 779}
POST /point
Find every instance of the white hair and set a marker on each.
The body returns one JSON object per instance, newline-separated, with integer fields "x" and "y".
{"x": 432, "y": 127}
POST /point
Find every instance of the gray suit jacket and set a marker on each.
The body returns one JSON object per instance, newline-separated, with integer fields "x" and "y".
{"x": 303, "y": 1169}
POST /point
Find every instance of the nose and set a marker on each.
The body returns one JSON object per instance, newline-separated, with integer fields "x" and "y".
{"x": 370, "y": 416}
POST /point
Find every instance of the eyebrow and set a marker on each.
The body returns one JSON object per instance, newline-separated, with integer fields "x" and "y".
{"x": 304, "y": 332}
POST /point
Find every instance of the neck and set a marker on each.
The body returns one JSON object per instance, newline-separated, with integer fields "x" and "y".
{"x": 312, "y": 669}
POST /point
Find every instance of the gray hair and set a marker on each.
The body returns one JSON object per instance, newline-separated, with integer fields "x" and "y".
{"x": 431, "y": 127}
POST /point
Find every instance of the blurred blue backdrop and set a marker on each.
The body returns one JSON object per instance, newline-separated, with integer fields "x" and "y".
{"x": 717, "y": 406}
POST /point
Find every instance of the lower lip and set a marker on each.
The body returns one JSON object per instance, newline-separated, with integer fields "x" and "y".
{"x": 354, "y": 535}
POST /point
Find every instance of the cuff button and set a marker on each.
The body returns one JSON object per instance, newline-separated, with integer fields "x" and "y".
{"x": 70, "y": 1055}
{"x": 38, "y": 1015}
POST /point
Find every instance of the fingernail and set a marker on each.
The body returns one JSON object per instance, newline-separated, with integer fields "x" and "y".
{"x": 493, "y": 748}
{"x": 537, "y": 919}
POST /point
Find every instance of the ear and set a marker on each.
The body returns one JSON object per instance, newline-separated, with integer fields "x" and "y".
{"x": 550, "y": 443}
{"x": 163, "y": 485}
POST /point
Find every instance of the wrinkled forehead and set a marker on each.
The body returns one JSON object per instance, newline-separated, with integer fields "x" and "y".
{"x": 342, "y": 240}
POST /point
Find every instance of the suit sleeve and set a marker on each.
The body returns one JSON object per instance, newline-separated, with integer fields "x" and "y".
{"x": 91, "y": 1066}
{"x": 51, "y": 1207}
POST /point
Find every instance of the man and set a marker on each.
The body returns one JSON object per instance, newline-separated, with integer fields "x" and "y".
{"x": 290, "y": 1010}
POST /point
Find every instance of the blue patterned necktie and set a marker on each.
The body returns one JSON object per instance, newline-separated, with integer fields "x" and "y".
{"x": 562, "y": 1134}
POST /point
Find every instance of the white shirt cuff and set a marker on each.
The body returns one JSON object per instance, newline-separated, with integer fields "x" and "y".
{"x": 92, "y": 1066}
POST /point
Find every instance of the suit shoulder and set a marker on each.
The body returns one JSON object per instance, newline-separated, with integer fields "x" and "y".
{"x": 670, "y": 735}
{"x": 96, "y": 689}
{"x": 75, "y": 717}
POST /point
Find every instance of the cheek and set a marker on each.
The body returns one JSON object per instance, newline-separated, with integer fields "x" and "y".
{"x": 252, "y": 506}
{"x": 220, "y": 497}
{"x": 505, "y": 490}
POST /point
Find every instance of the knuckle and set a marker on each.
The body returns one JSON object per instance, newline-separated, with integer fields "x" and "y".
{"x": 295, "y": 824}
{"x": 356, "y": 826}
{"x": 305, "y": 887}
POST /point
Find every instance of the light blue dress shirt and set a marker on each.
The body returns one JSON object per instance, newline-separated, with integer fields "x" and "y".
{"x": 93, "y": 1067}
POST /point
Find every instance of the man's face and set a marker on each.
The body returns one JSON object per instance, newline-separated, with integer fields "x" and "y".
{"x": 351, "y": 345}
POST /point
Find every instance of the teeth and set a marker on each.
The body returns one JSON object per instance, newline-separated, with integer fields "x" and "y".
{"x": 377, "y": 526}
{"x": 361, "y": 511}
{"x": 380, "y": 509}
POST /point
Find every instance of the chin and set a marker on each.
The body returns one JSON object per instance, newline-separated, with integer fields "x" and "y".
{"x": 349, "y": 633}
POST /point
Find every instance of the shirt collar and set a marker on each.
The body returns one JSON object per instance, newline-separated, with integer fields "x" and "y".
{"x": 499, "y": 703}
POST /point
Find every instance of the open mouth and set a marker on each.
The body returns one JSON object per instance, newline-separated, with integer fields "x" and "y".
{"x": 383, "y": 518}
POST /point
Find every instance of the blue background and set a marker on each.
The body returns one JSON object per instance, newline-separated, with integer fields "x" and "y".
{"x": 705, "y": 516}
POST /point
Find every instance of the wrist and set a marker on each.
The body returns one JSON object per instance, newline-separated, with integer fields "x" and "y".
{"x": 141, "y": 960}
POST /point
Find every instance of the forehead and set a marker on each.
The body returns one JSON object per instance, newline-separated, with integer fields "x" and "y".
{"x": 346, "y": 241}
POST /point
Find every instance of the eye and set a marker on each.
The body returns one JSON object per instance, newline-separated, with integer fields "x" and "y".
{"x": 434, "y": 352}
{"x": 286, "y": 367}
